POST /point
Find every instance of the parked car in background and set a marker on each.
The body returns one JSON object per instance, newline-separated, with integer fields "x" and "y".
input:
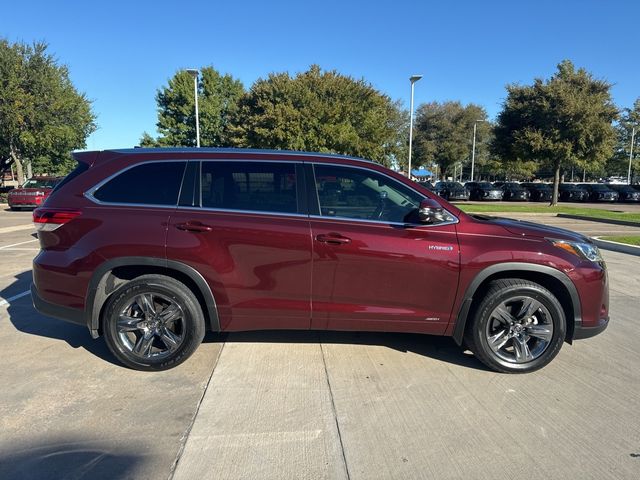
{"x": 626, "y": 193}
{"x": 451, "y": 191}
{"x": 152, "y": 247}
{"x": 483, "y": 191}
{"x": 540, "y": 192}
{"x": 513, "y": 191}
{"x": 32, "y": 193}
{"x": 599, "y": 192}
{"x": 570, "y": 192}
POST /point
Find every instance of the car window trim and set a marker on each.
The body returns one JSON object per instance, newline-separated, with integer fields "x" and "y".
{"x": 356, "y": 220}
{"x": 89, "y": 194}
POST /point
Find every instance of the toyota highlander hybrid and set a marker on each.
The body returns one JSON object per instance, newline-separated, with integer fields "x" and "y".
{"x": 150, "y": 248}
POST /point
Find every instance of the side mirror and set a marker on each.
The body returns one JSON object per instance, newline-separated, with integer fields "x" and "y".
{"x": 431, "y": 212}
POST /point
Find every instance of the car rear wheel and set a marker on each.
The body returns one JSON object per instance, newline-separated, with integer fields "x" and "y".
{"x": 518, "y": 327}
{"x": 153, "y": 323}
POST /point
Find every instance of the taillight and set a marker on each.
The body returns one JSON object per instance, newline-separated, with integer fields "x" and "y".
{"x": 48, "y": 219}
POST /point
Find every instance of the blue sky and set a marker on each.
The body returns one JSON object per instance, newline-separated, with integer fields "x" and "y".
{"x": 120, "y": 52}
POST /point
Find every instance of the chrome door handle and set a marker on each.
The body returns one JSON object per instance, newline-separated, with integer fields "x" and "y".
{"x": 194, "y": 227}
{"x": 333, "y": 239}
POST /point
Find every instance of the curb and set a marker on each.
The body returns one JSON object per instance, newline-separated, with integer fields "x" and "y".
{"x": 617, "y": 247}
{"x": 598, "y": 219}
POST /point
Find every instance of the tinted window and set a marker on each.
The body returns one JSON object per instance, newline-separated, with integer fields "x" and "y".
{"x": 155, "y": 183}
{"x": 258, "y": 186}
{"x": 364, "y": 195}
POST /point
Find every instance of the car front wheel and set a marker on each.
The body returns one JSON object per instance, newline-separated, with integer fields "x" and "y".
{"x": 153, "y": 322}
{"x": 518, "y": 327}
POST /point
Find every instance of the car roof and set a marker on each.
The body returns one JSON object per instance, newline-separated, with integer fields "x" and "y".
{"x": 205, "y": 150}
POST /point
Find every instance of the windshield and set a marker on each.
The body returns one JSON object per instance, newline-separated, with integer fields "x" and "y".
{"x": 568, "y": 186}
{"x": 40, "y": 183}
{"x": 486, "y": 186}
{"x": 513, "y": 186}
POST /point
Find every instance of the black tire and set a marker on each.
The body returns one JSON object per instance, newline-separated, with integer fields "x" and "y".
{"x": 544, "y": 329}
{"x": 129, "y": 324}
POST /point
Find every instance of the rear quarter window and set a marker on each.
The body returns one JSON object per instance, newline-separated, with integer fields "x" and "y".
{"x": 154, "y": 183}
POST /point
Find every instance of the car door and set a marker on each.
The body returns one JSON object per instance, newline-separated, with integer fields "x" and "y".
{"x": 375, "y": 267}
{"x": 243, "y": 226}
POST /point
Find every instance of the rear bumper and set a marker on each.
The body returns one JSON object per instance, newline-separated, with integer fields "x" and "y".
{"x": 581, "y": 332}
{"x": 56, "y": 311}
{"x": 24, "y": 204}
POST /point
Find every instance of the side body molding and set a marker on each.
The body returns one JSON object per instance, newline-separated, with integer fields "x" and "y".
{"x": 96, "y": 293}
{"x": 461, "y": 320}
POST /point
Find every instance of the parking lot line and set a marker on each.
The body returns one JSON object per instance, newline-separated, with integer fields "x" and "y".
{"x": 16, "y": 228}
{"x": 7, "y": 301}
{"x": 4, "y": 247}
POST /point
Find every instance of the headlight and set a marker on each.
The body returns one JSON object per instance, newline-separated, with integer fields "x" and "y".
{"x": 587, "y": 251}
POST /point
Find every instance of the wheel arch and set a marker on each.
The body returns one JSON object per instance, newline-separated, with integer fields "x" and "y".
{"x": 551, "y": 278}
{"x": 114, "y": 272}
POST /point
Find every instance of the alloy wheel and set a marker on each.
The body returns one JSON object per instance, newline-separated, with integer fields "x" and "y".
{"x": 151, "y": 326}
{"x": 519, "y": 329}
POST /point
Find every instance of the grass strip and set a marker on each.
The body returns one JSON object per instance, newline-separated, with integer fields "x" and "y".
{"x": 626, "y": 239}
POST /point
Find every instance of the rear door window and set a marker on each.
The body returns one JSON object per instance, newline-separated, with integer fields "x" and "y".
{"x": 153, "y": 183}
{"x": 249, "y": 186}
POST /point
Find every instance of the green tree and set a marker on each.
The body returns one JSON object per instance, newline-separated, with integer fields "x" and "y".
{"x": 218, "y": 100}
{"x": 42, "y": 115}
{"x": 566, "y": 120}
{"x": 323, "y": 112}
{"x": 444, "y": 135}
{"x": 619, "y": 162}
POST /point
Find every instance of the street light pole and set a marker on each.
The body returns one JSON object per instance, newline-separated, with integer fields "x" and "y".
{"x": 194, "y": 73}
{"x": 633, "y": 134}
{"x": 473, "y": 148}
{"x": 413, "y": 79}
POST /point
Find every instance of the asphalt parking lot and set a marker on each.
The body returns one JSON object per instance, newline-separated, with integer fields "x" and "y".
{"x": 311, "y": 405}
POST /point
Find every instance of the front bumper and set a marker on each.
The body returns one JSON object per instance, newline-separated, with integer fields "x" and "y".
{"x": 581, "y": 332}
{"x": 458, "y": 196}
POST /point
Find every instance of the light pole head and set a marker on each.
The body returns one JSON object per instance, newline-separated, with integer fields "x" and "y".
{"x": 414, "y": 78}
{"x": 193, "y": 72}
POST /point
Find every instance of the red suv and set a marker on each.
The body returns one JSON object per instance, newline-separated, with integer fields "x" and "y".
{"x": 151, "y": 247}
